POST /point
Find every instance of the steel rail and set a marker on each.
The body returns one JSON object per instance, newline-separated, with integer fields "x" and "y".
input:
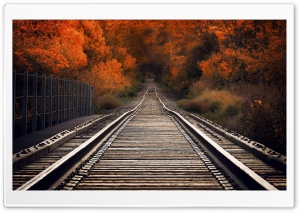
{"x": 271, "y": 157}
{"x": 247, "y": 176}
{"x": 49, "y": 176}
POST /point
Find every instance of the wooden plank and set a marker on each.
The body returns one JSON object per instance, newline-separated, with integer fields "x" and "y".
{"x": 150, "y": 152}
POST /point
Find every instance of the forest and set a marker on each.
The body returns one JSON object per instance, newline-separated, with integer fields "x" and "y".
{"x": 230, "y": 71}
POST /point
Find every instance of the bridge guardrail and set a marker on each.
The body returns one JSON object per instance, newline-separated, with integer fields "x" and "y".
{"x": 41, "y": 101}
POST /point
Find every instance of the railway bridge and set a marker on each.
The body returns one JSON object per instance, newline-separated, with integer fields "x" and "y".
{"x": 148, "y": 145}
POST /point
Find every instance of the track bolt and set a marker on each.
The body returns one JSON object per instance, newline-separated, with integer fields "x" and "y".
{"x": 24, "y": 152}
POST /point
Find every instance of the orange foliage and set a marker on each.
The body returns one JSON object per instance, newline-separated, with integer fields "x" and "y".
{"x": 112, "y": 54}
{"x": 107, "y": 77}
{"x": 95, "y": 45}
{"x": 72, "y": 48}
{"x": 49, "y": 61}
{"x": 179, "y": 52}
{"x": 219, "y": 65}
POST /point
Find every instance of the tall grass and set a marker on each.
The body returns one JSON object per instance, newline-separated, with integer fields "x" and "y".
{"x": 256, "y": 111}
{"x": 214, "y": 104}
{"x": 197, "y": 88}
{"x": 106, "y": 102}
{"x": 197, "y": 106}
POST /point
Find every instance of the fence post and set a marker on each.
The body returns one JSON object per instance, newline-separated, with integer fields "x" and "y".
{"x": 25, "y": 102}
{"x": 68, "y": 98}
{"x": 92, "y": 101}
{"x": 77, "y": 93}
{"x": 43, "y": 106}
{"x": 34, "y": 102}
{"x": 84, "y": 94}
{"x": 80, "y": 99}
{"x": 50, "y": 101}
{"x": 72, "y": 99}
{"x": 83, "y": 99}
{"x": 14, "y": 101}
{"x": 57, "y": 100}
{"x": 63, "y": 100}
{"x": 88, "y": 100}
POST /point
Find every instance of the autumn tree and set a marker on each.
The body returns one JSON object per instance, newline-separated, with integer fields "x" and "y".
{"x": 32, "y": 41}
{"x": 74, "y": 49}
{"x": 113, "y": 55}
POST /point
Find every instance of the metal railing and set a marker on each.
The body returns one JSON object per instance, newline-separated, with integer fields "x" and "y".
{"x": 43, "y": 101}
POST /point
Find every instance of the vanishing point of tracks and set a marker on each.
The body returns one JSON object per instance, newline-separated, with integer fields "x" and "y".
{"x": 152, "y": 147}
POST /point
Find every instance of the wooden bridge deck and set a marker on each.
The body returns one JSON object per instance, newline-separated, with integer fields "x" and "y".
{"x": 150, "y": 153}
{"x": 149, "y": 149}
{"x": 37, "y": 137}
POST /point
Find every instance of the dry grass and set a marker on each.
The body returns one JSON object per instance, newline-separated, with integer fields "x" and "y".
{"x": 193, "y": 105}
{"x": 256, "y": 111}
{"x": 213, "y": 103}
{"x": 197, "y": 88}
{"x": 224, "y": 97}
{"x": 107, "y": 102}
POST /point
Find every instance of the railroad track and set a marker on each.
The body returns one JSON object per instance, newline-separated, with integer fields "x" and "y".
{"x": 150, "y": 147}
{"x": 32, "y": 161}
{"x": 268, "y": 164}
